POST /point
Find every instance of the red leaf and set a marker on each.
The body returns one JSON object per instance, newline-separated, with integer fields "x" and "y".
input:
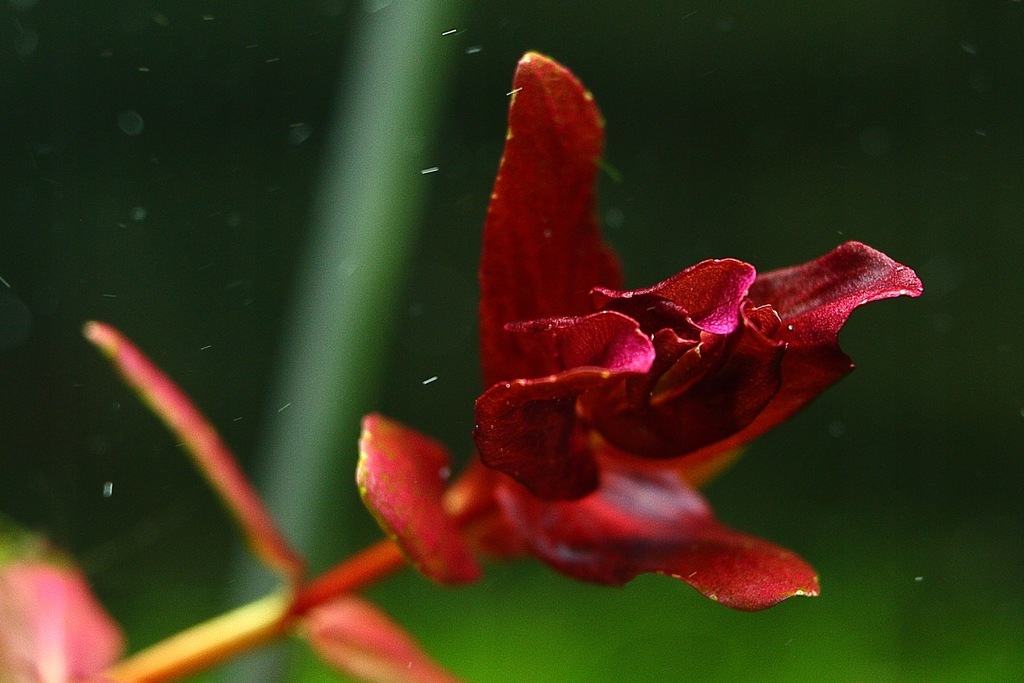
{"x": 646, "y": 521}
{"x": 52, "y": 629}
{"x": 542, "y": 252}
{"x": 528, "y": 428}
{"x": 209, "y": 452}
{"x": 401, "y": 477}
{"x": 359, "y": 640}
{"x": 815, "y": 300}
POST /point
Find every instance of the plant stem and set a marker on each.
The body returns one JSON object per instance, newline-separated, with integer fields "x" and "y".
{"x": 254, "y": 624}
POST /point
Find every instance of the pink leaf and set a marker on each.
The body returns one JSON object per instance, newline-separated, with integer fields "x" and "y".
{"x": 210, "y": 454}
{"x": 359, "y": 640}
{"x": 401, "y": 477}
{"x": 52, "y": 629}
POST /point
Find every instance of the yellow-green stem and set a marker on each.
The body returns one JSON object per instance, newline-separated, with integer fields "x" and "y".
{"x": 254, "y": 624}
{"x": 206, "y": 644}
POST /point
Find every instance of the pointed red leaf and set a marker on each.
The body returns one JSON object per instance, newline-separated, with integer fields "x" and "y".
{"x": 401, "y": 477}
{"x": 542, "y": 252}
{"x": 359, "y": 640}
{"x": 646, "y": 521}
{"x": 209, "y": 452}
{"x": 52, "y": 629}
{"x": 815, "y": 300}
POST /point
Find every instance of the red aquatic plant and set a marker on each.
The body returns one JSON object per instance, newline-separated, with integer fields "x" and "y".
{"x": 604, "y": 409}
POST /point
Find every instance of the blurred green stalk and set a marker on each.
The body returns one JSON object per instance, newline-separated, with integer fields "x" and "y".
{"x": 367, "y": 208}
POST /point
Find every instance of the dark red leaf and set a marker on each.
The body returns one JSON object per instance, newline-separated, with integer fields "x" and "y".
{"x": 707, "y": 295}
{"x": 528, "y": 428}
{"x": 401, "y": 476}
{"x": 646, "y": 521}
{"x": 542, "y": 252}
{"x": 713, "y": 391}
{"x": 814, "y": 301}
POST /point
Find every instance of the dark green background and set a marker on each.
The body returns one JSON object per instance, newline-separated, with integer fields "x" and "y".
{"x": 751, "y": 130}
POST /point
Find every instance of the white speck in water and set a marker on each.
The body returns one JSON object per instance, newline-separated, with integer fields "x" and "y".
{"x": 25, "y": 43}
{"x": 130, "y": 122}
{"x": 547, "y": 233}
{"x": 138, "y": 213}
{"x": 22, "y": 5}
{"x": 332, "y": 8}
{"x": 981, "y": 132}
{"x": 836, "y": 428}
{"x": 512, "y": 92}
{"x": 285, "y": 406}
{"x": 373, "y": 6}
{"x": 207, "y": 17}
{"x": 444, "y": 473}
{"x": 110, "y": 296}
{"x": 789, "y": 327}
{"x": 432, "y": 169}
{"x": 874, "y": 141}
{"x": 969, "y": 48}
{"x": 5, "y": 282}
{"x": 299, "y": 133}
{"x": 203, "y": 348}
{"x": 429, "y": 380}
{"x": 271, "y": 60}
{"x": 143, "y": 69}
{"x": 237, "y": 419}
{"x": 614, "y": 217}
{"x": 108, "y": 489}
{"x": 473, "y": 49}
{"x": 449, "y": 32}
{"x": 919, "y": 579}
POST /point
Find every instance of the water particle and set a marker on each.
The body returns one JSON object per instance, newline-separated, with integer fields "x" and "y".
{"x": 203, "y": 348}
{"x": 874, "y": 141}
{"x": 143, "y": 69}
{"x": 836, "y": 428}
{"x": 284, "y": 407}
{"x": 299, "y": 133}
{"x": 429, "y": 380}
{"x": 614, "y": 218}
{"x": 207, "y": 17}
{"x": 473, "y": 49}
{"x": 513, "y": 92}
{"x": 449, "y": 32}
{"x": 26, "y": 43}
{"x": 432, "y": 169}
{"x": 138, "y": 213}
{"x": 271, "y": 60}
{"x": 5, "y": 282}
{"x": 919, "y": 579}
{"x": 108, "y": 489}
{"x": 130, "y": 122}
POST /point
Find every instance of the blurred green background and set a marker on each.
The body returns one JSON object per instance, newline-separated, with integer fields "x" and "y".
{"x": 159, "y": 170}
